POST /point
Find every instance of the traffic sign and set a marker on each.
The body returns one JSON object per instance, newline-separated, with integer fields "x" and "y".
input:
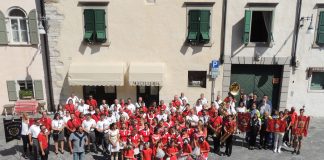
{"x": 215, "y": 64}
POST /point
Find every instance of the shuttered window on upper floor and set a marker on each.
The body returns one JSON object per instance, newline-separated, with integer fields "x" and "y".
{"x": 320, "y": 29}
{"x": 199, "y": 26}
{"x": 95, "y": 25}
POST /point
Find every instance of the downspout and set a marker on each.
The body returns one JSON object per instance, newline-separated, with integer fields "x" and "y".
{"x": 47, "y": 58}
{"x": 224, "y": 11}
{"x": 296, "y": 33}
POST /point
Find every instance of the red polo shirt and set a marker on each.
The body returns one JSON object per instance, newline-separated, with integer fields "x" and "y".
{"x": 172, "y": 150}
{"x": 204, "y": 146}
{"x": 47, "y": 122}
{"x": 70, "y": 108}
{"x": 42, "y": 138}
{"x": 96, "y": 117}
{"x": 147, "y": 154}
{"x": 73, "y": 124}
{"x": 92, "y": 102}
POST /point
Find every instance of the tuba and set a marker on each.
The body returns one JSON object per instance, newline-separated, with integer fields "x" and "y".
{"x": 234, "y": 88}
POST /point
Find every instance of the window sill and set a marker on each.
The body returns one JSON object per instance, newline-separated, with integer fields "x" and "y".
{"x": 106, "y": 44}
{"x": 260, "y": 44}
{"x": 19, "y": 44}
{"x": 316, "y": 46}
{"x": 210, "y": 44}
{"x": 315, "y": 91}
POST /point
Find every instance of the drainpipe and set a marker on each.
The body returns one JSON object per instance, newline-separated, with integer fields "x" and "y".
{"x": 224, "y": 11}
{"x": 296, "y": 33}
{"x": 47, "y": 58}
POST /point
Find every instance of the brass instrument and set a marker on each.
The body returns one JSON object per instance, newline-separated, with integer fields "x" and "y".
{"x": 227, "y": 134}
{"x": 234, "y": 88}
{"x": 223, "y": 109}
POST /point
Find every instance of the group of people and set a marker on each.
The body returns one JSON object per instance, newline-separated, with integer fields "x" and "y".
{"x": 129, "y": 131}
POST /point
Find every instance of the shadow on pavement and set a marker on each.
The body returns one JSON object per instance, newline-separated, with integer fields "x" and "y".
{"x": 11, "y": 151}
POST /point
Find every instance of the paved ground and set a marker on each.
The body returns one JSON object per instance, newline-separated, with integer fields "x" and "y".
{"x": 312, "y": 148}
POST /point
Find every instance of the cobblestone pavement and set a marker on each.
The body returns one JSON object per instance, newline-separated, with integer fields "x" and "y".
{"x": 312, "y": 148}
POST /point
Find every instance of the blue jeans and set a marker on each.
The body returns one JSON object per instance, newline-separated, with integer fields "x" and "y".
{"x": 78, "y": 156}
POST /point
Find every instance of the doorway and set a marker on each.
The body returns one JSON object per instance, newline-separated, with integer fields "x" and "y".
{"x": 148, "y": 93}
{"x": 100, "y": 93}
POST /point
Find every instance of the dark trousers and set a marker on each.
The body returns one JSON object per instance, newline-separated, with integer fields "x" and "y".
{"x": 253, "y": 135}
{"x": 26, "y": 144}
{"x": 286, "y": 137}
{"x": 92, "y": 139}
{"x": 36, "y": 149}
{"x": 229, "y": 144}
{"x": 264, "y": 138}
{"x": 44, "y": 157}
{"x": 216, "y": 144}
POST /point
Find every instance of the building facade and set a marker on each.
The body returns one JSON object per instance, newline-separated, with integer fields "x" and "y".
{"x": 258, "y": 48}
{"x": 307, "y": 78}
{"x": 22, "y": 68}
{"x": 134, "y": 48}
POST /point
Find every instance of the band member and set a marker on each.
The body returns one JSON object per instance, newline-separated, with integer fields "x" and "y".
{"x": 264, "y": 134}
{"x": 215, "y": 124}
{"x": 172, "y": 151}
{"x": 89, "y": 126}
{"x": 43, "y": 142}
{"x": 72, "y": 124}
{"x": 147, "y": 152}
{"x": 278, "y": 136}
{"x": 34, "y": 130}
{"x": 255, "y": 126}
{"x": 24, "y": 134}
{"x": 92, "y": 102}
{"x": 58, "y": 132}
{"x": 229, "y": 128}
{"x": 70, "y": 106}
{"x": 204, "y": 147}
{"x": 300, "y": 130}
{"x": 47, "y": 122}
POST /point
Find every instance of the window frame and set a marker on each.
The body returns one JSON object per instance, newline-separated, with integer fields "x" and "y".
{"x": 262, "y": 44}
{"x": 107, "y": 43}
{"x": 200, "y": 86}
{"x": 26, "y": 84}
{"x": 317, "y": 19}
{"x": 310, "y": 83}
{"x": 9, "y": 27}
{"x": 200, "y": 7}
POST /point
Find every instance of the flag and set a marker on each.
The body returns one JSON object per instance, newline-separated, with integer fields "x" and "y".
{"x": 243, "y": 120}
{"x": 12, "y": 128}
{"x": 276, "y": 125}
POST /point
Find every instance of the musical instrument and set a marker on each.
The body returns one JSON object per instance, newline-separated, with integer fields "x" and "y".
{"x": 230, "y": 130}
{"x": 234, "y": 88}
{"x": 223, "y": 109}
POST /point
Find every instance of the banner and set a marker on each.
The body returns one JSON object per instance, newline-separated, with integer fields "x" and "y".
{"x": 243, "y": 121}
{"x": 301, "y": 128}
{"x": 12, "y": 128}
{"x": 276, "y": 125}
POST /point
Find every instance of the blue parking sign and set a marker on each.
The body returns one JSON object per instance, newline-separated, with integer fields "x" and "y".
{"x": 215, "y": 64}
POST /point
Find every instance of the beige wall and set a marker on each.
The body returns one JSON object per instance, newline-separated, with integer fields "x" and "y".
{"x": 140, "y": 33}
{"x": 17, "y": 58}
{"x": 308, "y": 55}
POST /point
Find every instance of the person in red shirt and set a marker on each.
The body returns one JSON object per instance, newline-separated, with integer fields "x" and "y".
{"x": 92, "y": 102}
{"x": 172, "y": 151}
{"x": 204, "y": 147}
{"x": 70, "y": 106}
{"x": 176, "y": 102}
{"x": 145, "y": 133}
{"x": 72, "y": 124}
{"x": 186, "y": 149}
{"x": 147, "y": 152}
{"x": 165, "y": 137}
{"x": 150, "y": 116}
{"x": 124, "y": 133}
{"x": 129, "y": 153}
{"x": 96, "y": 115}
{"x": 47, "y": 122}
{"x": 186, "y": 111}
{"x": 215, "y": 126}
{"x": 155, "y": 138}
{"x": 135, "y": 140}
{"x": 43, "y": 142}
{"x": 229, "y": 128}
{"x": 293, "y": 117}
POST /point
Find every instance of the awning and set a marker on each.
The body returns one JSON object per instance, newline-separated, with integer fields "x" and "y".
{"x": 146, "y": 74}
{"x": 96, "y": 74}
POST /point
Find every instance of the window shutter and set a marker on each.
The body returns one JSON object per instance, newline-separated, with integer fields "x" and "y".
{"x": 100, "y": 19}
{"x": 89, "y": 24}
{"x": 247, "y": 27}
{"x": 193, "y": 29}
{"x": 12, "y": 93}
{"x": 205, "y": 24}
{"x": 320, "y": 30}
{"x": 38, "y": 87}
{"x": 3, "y": 30}
{"x": 33, "y": 27}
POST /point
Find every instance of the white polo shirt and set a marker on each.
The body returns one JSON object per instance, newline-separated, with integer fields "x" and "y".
{"x": 34, "y": 130}
{"x": 86, "y": 124}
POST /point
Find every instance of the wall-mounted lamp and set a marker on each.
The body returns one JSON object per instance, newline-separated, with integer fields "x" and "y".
{"x": 41, "y": 28}
{"x": 302, "y": 20}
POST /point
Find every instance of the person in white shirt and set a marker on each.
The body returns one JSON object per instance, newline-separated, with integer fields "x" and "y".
{"x": 241, "y": 108}
{"x": 139, "y": 102}
{"x": 123, "y": 114}
{"x": 183, "y": 105}
{"x": 33, "y": 131}
{"x": 204, "y": 117}
{"x": 100, "y": 128}
{"x": 116, "y": 103}
{"x": 192, "y": 118}
{"x": 183, "y": 97}
{"x": 66, "y": 117}
{"x": 58, "y": 132}
{"x": 109, "y": 120}
{"x": 162, "y": 116}
{"x": 74, "y": 98}
{"x": 218, "y": 101}
{"x": 83, "y": 108}
{"x": 230, "y": 109}
{"x": 199, "y": 106}
{"x": 130, "y": 105}
{"x": 89, "y": 126}
{"x": 103, "y": 105}
{"x": 25, "y": 134}
{"x": 203, "y": 99}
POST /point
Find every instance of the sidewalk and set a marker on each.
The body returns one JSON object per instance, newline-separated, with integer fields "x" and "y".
{"x": 311, "y": 149}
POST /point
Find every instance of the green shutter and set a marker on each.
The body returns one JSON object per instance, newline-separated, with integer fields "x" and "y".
{"x": 320, "y": 30}
{"x": 3, "y": 30}
{"x": 38, "y": 87}
{"x": 33, "y": 27}
{"x": 193, "y": 29}
{"x": 204, "y": 24}
{"x": 12, "y": 93}
{"x": 100, "y": 23}
{"x": 247, "y": 27}
{"x": 89, "y": 24}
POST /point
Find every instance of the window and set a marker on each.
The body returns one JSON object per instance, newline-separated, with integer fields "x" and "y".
{"x": 95, "y": 25}
{"x": 26, "y": 89}
{"x": 258, "y": 26}
{"x": 317, "y": 82}
{"x": 198, "y": 26}
{"x": 197, "y": 79}
{"x": 18, "y": 26}
{"x": 320, "y": 29}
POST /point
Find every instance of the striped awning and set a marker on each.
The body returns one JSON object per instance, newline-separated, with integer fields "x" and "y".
{"x": 100, "y": 74}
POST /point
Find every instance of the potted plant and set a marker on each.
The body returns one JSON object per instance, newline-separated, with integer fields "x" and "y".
{"x": 26, "y": 94}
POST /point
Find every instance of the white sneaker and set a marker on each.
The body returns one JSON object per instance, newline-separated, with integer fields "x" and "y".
{"x": 284, "y": 144}
{"x": 279, "y": 150}
{"x": 274, "y": 151}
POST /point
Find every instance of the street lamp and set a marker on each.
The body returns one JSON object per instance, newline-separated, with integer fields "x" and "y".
{"x": 310, "y": 28}
{"x": 41, "y": 28}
